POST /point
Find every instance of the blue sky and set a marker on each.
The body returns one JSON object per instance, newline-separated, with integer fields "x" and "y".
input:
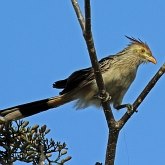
{"x": 41, "y": 42}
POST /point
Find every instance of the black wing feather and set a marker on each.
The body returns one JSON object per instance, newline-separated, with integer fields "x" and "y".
{"x": 60, "y": 84}
{"x": 81, "y": 77}
{"x": 74, "y": 80}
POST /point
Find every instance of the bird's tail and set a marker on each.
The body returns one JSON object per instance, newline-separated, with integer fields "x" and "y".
{"x": 29, "y": 109}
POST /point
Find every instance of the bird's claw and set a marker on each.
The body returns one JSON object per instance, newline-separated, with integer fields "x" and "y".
{"x": 130, "y": 109}
{"x": 104, "y": 96}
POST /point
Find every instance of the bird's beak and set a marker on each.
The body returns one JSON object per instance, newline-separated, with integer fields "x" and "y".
{"x": 152, "y": 59}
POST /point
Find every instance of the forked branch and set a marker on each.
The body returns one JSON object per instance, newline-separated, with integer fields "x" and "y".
{"x": 114, "y": 126}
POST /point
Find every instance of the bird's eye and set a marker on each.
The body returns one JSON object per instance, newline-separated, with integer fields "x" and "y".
{"x": 142, "y": 50}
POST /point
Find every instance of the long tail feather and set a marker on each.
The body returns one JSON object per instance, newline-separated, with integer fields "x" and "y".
{"x": 29, "y": 109}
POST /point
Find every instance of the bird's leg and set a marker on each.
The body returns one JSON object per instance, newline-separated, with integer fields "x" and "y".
{"x": 128, "y": 106}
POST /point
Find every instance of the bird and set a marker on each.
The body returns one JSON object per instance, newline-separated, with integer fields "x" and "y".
{"x": 118, "y": 72}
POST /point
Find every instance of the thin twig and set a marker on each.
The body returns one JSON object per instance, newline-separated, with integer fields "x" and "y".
{"x": 79, "y": 14}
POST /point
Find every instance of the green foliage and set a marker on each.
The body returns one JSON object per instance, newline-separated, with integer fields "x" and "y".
{"x": 18, "y": 141}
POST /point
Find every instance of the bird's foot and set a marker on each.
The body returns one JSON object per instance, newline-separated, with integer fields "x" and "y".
{"x": 129, "y": 107}
{"x": 104, "y": 96}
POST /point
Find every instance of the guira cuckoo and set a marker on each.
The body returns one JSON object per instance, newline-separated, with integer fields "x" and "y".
{"x": 118, "y": 72}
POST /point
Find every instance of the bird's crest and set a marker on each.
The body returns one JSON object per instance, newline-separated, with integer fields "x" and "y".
{"x": 137, "y": 42}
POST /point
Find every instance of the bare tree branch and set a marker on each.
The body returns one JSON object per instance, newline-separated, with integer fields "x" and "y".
{"x": 93, "y": 57}
{"x": 79, "y": 14}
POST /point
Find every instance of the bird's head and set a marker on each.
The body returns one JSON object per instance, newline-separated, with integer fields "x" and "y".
{"x": 141, "y": 49}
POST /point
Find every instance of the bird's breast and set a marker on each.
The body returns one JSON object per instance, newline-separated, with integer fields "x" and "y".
{"x": 117, "y": 79}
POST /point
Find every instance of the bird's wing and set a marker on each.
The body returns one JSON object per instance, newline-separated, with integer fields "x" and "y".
{"x": 82, "y": 77}
{"x": 75, "y": 79}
